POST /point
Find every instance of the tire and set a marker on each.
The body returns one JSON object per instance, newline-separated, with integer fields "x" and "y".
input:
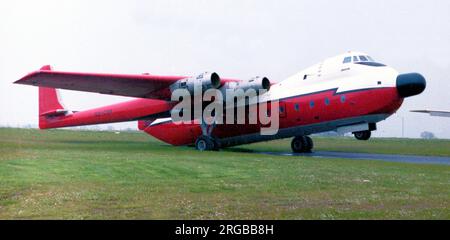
{"x": 297, "y": 145}
{"x": 362, "y": 135}
{"x": 309, "y": 144}
{"x": 302, "y": 144}
{"x": 204, "y": 143}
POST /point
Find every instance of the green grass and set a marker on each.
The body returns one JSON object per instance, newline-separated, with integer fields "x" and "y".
{"x": 424, "y": 147}
{"x": 63, "y": 174}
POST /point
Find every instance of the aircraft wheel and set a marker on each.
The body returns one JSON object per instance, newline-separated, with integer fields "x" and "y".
{"x": 309, "y": 144}
{"x": 302, "y": 144}
{"x": 204, "y": 143}
{"x": 299, "y": 144}
{"x": 362, "y": 135}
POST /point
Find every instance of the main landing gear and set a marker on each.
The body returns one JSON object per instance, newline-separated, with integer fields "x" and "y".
{"x": 206, "y": 142}
{"x": 362, "y": 135}
{"x": 302, "y": 144}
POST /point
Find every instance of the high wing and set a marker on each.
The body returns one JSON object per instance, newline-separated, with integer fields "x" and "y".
{"x": 140, "y": 86}
{"x": 434, "y": 113}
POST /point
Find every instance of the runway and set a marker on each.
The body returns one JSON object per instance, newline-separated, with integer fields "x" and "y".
{"x": 370, "y": 156}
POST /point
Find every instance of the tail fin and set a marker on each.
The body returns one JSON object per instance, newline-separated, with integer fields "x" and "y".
{"x": 49, "y": 103}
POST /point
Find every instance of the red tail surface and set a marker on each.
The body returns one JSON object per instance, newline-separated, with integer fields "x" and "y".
{"x": 49, "y": 101}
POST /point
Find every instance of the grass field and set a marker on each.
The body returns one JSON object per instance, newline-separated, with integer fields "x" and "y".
{"x": 62, "y": 174}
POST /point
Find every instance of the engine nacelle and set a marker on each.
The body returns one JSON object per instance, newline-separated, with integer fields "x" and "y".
{"x": 256, "y": 83}
{"x": 206, "y": 80}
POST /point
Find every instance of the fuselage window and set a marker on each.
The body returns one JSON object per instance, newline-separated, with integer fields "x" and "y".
{"x": 363, "y": 59}
{"x": 347, "y": 59}
{"x": 296, "y": 107}
{"x": 327, "y": 101}
{"x": 311, "y": 104}
{"x": 304, "y": 77}
{"x": 355, "y": 58}
{"x": 281, "y": 109}
{"x": 343, "y": 98}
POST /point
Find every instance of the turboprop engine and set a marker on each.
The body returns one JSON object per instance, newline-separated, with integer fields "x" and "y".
{"x": 239, "y": 90}
{"x": 256, "y": 83}
{"x": 206, "y": 80}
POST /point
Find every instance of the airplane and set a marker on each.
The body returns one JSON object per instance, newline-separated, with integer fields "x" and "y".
{"x": 436, "y": 113}
{"x": 348, "y": 93}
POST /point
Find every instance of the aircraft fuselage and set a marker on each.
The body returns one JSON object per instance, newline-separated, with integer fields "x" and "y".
{"x": 343, "y": 91}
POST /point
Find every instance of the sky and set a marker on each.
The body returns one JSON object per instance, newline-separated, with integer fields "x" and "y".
{"x": 238, "y": 39}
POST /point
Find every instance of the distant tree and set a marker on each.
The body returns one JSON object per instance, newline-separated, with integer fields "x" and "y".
{"x": 427, "y": 135}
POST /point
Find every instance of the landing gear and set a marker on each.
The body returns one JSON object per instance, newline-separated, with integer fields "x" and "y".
{"x": 362, "y": 135}
{"x": 302, "y": 144}
{"x": 205, "y": 143}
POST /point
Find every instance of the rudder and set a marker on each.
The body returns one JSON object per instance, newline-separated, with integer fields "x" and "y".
{"x": 49, "y": 103}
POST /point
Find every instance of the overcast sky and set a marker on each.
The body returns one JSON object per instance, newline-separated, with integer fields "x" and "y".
{"x": 238, "y": 39}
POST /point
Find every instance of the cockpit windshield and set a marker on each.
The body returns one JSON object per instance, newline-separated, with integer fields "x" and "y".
{"x": 362, "y": 59}
{"x": 347, "y": 59}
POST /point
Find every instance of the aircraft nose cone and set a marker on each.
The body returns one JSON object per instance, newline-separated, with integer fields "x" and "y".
{"x": 410, "y": 84}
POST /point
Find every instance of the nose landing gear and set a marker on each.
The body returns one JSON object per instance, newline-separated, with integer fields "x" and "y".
{"x": 302, "y": 144}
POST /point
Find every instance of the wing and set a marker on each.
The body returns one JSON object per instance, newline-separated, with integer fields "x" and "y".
{"x": 141, "y": 86}
{"x": 434, "y": 113}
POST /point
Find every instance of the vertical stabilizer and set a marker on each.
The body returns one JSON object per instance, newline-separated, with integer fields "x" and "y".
{"x": 49, "y": 103}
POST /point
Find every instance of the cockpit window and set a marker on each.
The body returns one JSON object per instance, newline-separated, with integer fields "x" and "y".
{"x": 363, "y": 59}
{"x": 366, "y": 60}
{"x": 347, "y": 59}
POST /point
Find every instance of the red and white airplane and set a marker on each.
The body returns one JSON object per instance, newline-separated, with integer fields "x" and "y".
{"x": 347, "y": 93}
